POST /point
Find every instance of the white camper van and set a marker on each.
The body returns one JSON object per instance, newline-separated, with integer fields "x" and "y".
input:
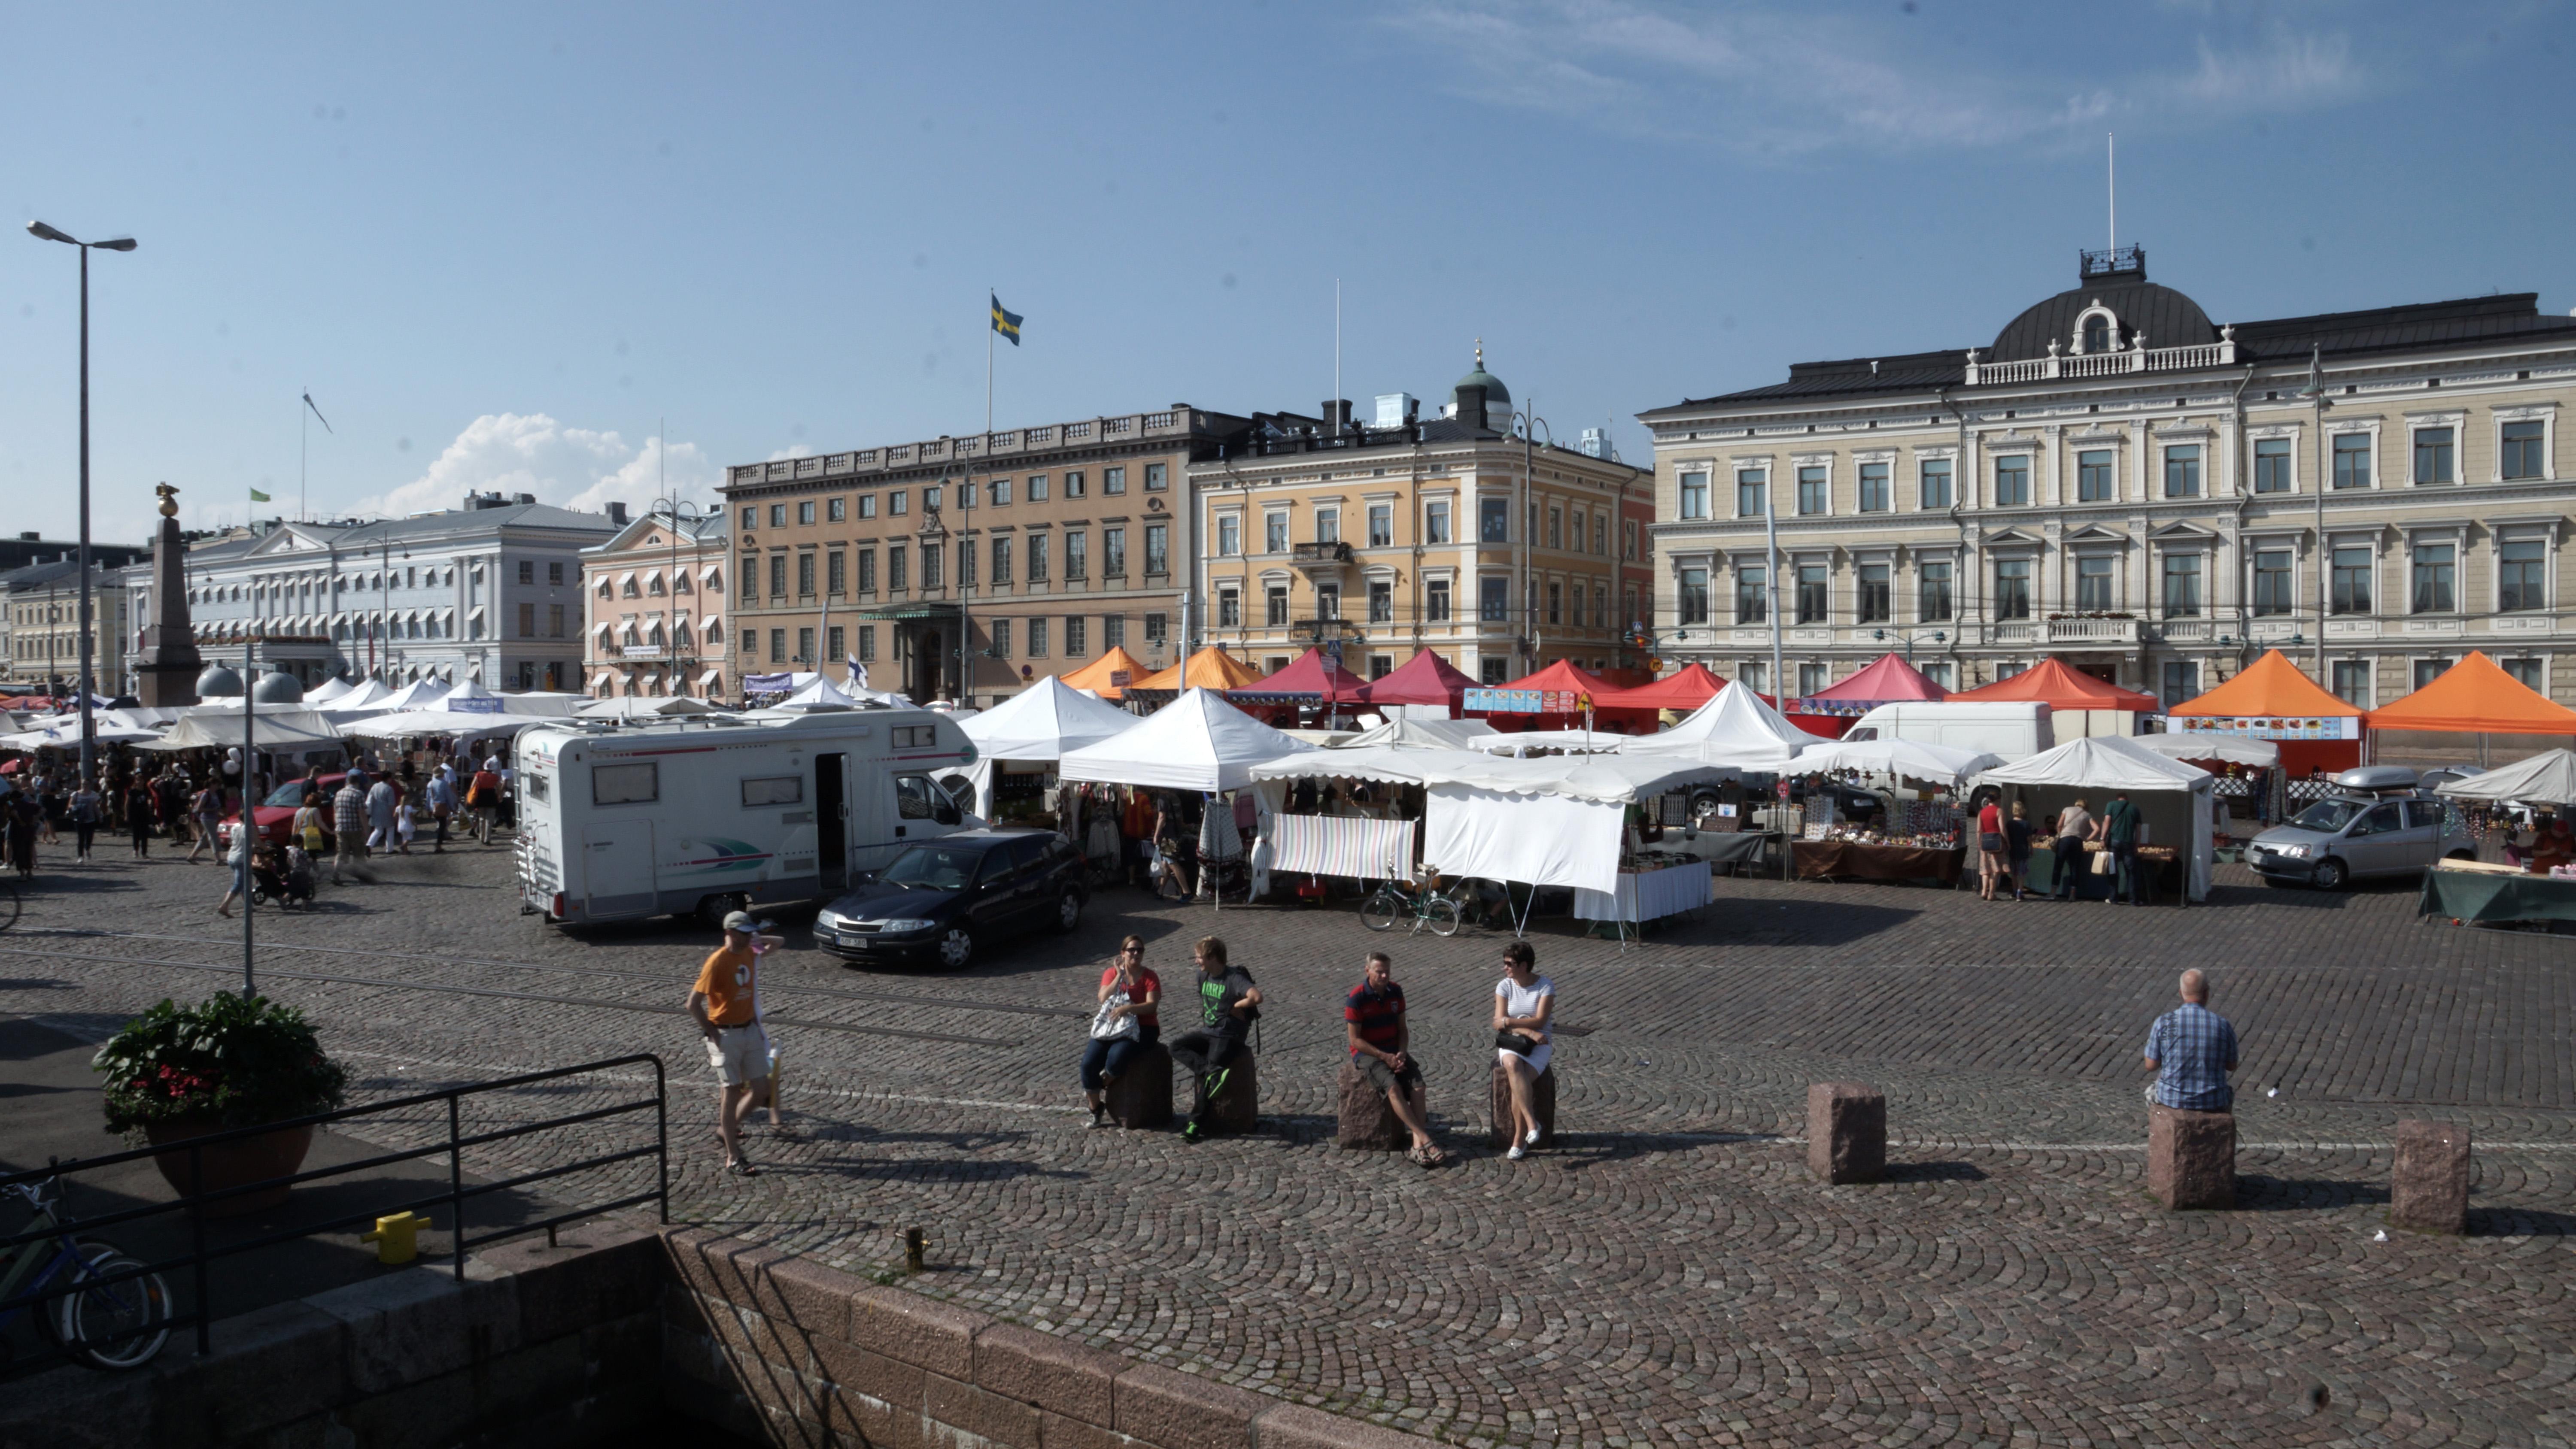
{"x": 620, "y": 821}
{"x": 2015, "y": 731}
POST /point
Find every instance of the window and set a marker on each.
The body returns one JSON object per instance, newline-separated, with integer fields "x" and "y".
{"x": 2182, "y": 471}
{"x": 625, "y": 784}
{"x": 2433, "y": 569}
{"x": 1001, "y": 562}
{"x": 1158, "y": 548}
{"x": 1932, "y": 482}
{"x": 2521, "y": 451}
{"x": 1037, "y": 558}
{"x": 836, "y": 642}
{"x": 1157, "y": 477}
{"x": 1113, "y": 631}
{"x": 897, "y": 556}
{"x": 1494, "y": 600}
{"x": 2097, "y": 333}
{"x": 1873, "y": 488}
{"x": 1328, "y": 525}
{"x": 1381, "y": 597}
{"x": 554, "y": 621}
{"x": 778, "y": 515}
{"x": 777, "y": 646}
{"x": 2272, "y": 465}
{"x": 1000, "y": 629}
{"x": 836, "y": 573}
{"x": 805, "y": 645}
{"x": 1380, "y": 665}
{"x": 1075, "y": 645}
{"x": 1435, "y": 521}
{"x": 2096, "y": 476}
{"x": 2352, "y": 681}
{"x": 1274, "y": 532}
{"x": 932, "y": 562}
{"x": 1435, "y": 601}
{"x": 2012, "y": 588}
{"x": 2182, "y": 586}
{"x": 805, "y": 512}
{"x": 527, "y": 621}
{"x": 931, "y": 500}
{"x": 2272, "y": 587}
{"x": 1328, "y": 601}
{"x": 1073, "y": 485}
{"x": 1556, "y": 528}
{"x": 1873, "y": 593}
{"x": 1628, "y": 540}
{"x": 1941, "y": 673}
{"x": 2518, "y": 575}
{"x": 1077, "y": 555}
{"x": 1381, "y": 525}
{"x": 1601, "y": 533}
{"x": 966, "y": 495}
{"x": 2352, "y": 460}
{"x": 1113, "y": 481}
{"x": 750, "y": 516}
{"x": 1493, "y": 671}
{"x": 805, "y": 575}
{"x": 1037, "y": 491}
{"x": 1752, "y": 595}
{"x": 2525, "y": 672}
{"x": 1556, "y": 603}
{"x": 1493, "y": 520}
{"x": 2012, "y": 481}
{"x": 1113, "y": 553}
{"x": 1752, "y": 492}
{"x": 2351, "y": 582}
{"x": 527, "y": 574}
{"x": 898, "y": 503}
{"x": 1815, "y": 593}
{"x": 1754, "y": 675}
{"x": 1932, "y": 593}
{"x": 867, "y": 505}
{"x": 2428, "y": 670}
{"x": 2433, "y": 455}
{"x": 778, "y": 576}
{"x": 1001, "y": 489}
{"x": 2182, "y": 681}
{"x": 2096, "y": 583}
{"x": 1813, "y": 496}
{"x": 1038, "y": 637}
{"x": 1229, "y": 536}
{"x": 836, "y": 510}
{"x": 1229, "y": 609}
{"x": 965, "y": 563}
{"x": 1274, "y": 606}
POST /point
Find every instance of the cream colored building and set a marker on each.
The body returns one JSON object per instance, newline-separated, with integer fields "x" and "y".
{"x": 44, "y": 633}
{"x": 654, "y": 603}
{"x": 2156, "y": 498}
{"x": 1395, "y": 533}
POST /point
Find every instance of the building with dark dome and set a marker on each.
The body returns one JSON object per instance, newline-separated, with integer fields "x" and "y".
{"x": 2150, "y": 494}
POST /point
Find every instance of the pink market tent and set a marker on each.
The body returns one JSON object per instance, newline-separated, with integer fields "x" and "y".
{"x": 1886, "y": 680}
{"x": 1308, "y": 677}
{"x": 1426, "y": 678}
{"x": 1684, "y": 690}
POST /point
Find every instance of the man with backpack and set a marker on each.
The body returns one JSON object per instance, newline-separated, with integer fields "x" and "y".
{"x": 1228, "y": 1005}
{"x": 483, "y": 797}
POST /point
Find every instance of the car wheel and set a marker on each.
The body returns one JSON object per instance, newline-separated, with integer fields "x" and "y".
{"x": 956, "y": 948}
{"x": 1068, "y": 911}
{"x": 2331, "y": 874}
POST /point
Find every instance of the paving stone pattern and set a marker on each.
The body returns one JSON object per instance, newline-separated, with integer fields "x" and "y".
{"x": 1668, "y": 1274}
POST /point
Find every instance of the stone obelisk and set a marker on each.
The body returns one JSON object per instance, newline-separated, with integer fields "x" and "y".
{"x": 170, "y": 661}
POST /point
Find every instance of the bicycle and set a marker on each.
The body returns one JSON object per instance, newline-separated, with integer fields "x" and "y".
{"x": 113, "y": 1325}
{"x": 1395, "y": 900}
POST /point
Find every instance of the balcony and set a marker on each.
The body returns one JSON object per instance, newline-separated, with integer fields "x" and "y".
{"x": 1322, "y": 557}
{"x": 2094, "y": 633}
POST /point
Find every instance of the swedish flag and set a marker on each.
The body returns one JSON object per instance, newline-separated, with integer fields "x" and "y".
{"x": 1005, "y": 322}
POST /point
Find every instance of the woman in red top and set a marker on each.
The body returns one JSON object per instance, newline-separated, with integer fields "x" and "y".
{"x": 1990, "y": 848}
{"x": 1105, "y": 1057}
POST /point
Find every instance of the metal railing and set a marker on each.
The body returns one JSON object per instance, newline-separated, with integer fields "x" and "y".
{"x": 458, "y": 1192}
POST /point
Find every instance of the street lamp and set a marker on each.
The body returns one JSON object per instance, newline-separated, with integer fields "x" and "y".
{"x": 89, "y": 727}
{"x": 685, "y": 514}
{"x": 1937, "y": 636}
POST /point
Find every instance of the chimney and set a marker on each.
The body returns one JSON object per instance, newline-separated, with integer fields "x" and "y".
{"x": 1471, "y": 406}
{"x": 1337, "y": 416}
{"x": 525, "y": 498}
{"x": 29, "y": 537}
{"x": 617, "y": 512}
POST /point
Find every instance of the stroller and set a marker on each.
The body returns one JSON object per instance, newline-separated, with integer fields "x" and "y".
{"x": 284, "y": 886}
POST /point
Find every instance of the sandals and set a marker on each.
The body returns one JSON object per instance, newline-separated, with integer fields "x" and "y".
{"x": 741, "y": 1167}
{"x": 1426, "y": 1156}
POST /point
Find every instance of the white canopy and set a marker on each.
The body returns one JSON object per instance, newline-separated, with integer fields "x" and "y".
{"x": 421, "y": 693}
{"x": 1572, "y": 741}
{"x": 1396, "y": 764}
{"x": 819, "y": 692}
{"x": 1197, "y": 742}
{"x": 2548, "y": 778}
{"x": 273, "y": 727}
{"x": 2211, "y": 745}
{"x": 462, "y": 724}
{"x": 1411, "y": 732}
{"x": 543, "y": 703}
{"x": 327, "y": 691}
{"x": 1734, "y": 729}
{"x": 641, "y": 707}
{"x": 371, "y": 694}
{"x": 65, "y": 735}
{"x": 1043, "y": 721}
{"x": 2177, "y": 803}
{"x": 1897, "y": 759}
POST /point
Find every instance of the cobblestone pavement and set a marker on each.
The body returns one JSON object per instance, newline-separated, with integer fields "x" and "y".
{"x": 1668, "y": 1275}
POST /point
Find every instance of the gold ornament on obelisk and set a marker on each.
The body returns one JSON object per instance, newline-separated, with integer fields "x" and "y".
{"x": 169, "y": 500}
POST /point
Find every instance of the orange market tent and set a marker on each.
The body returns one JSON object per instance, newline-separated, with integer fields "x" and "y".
{"x": 1571, "y": 683}
{"x": 1684, "y": 690}
{"x": 1210, "y": 668}
{"x": 2051, "y": 683}
{"x": 2475, "y": 696}
{"x": 1095, "y": 676}
{"x": 2270, "y": 699}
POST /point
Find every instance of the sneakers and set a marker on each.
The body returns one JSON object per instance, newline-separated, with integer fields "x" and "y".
{"x": 1216, "y": 1082}
{"x": 1191, "y": 1131}
{"x": 1518, "y": 1152}
{"x": 1099, "y": 1118}
{"x": 1532, "y": 1139}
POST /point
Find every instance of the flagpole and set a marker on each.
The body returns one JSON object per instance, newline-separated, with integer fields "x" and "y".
{"x": 303, "y": 451}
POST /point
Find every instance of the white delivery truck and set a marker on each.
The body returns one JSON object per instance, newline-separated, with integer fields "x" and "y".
{"x": 2015, "y": 731}
{"x": 620, "y": 821}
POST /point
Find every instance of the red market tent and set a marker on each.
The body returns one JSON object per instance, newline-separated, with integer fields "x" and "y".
{"x": 1306, "y": 677}
{"x": 1887, "y": 680}
{"x": 1566, "y": 677}
{"x": 1563, "y": 674}
{"x": 2476, "y": 696}
{"x": 2051, "y": 683}
{"x": 2272, "y": 699}
{"x": 1426, "y": 678}
{"x": 1685, "y": 690}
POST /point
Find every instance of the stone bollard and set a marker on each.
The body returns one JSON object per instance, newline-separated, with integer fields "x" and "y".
{"x": 1846, "y": 1132}
{"x": 1498, "y": 1100}
{"x": 1237, "y": 1108}
{"x": 1142, "y": 1096}
{"x": 2191, "y": 1157}
{"x": 1366, "y": 1122}
{"x": 2431, "y": 1188}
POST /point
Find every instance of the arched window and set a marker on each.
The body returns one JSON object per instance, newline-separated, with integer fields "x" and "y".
{"x": 2097, "y": 333}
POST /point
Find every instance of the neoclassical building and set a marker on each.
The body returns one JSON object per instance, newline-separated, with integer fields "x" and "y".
{"x": 2151, "y": 495}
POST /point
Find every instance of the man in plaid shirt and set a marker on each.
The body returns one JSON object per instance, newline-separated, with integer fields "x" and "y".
{"x": 2191, "y": 1049}
{"x": 349, "y": 826}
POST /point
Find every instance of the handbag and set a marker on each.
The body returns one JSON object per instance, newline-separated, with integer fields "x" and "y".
{"x": 1111, "y": 1024}
{"x": 2105, "y": 863}
{"x": 1512, "y": 1041}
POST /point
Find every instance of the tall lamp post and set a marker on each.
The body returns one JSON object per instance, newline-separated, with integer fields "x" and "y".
{"x": 684, "y": 514}
{"x": 89, "y": 726}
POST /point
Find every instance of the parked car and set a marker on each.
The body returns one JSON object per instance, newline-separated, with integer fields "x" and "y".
{"x": 943, "y": 900}
{"x": 2347, "y": 837}
{"x": 274, "y": 817}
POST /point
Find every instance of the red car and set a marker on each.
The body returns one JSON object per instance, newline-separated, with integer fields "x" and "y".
{"x": 276, "y": 817}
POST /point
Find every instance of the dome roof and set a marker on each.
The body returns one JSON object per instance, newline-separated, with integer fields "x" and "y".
{"x": 278, "y": 687}
{"x": 218, "y": 682}
{"x": 2169, "y": 319}
{"x": 1495, "y": 392}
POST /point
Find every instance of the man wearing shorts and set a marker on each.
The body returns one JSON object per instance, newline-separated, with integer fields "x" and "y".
{"x": 737, "y": 1048}
{"x": 1373, "y": 1018}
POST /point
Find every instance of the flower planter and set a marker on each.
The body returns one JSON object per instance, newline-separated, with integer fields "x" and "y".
{"x": 229, "y": 1164}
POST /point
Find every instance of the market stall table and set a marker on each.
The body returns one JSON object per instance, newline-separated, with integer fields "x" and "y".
{"x": 1646, "y": 895}
{"x": 2496, "y": 894}
{"x": 1859, "y": 860}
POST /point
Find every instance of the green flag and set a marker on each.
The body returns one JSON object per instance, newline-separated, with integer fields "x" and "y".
{"x": 258, "y": 497}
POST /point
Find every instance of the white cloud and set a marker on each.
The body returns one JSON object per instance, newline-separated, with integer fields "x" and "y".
{"x": 512, "y": 453}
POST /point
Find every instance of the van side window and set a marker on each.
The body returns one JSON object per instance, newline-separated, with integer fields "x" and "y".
{"x": 913, "y": 796}
{"x": 625, "y": 784}
{"x": 538, "y": 786}
{"x": 774, "y": 790}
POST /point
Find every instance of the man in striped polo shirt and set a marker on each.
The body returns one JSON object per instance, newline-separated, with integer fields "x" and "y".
{"x": 1373, "y": 1015}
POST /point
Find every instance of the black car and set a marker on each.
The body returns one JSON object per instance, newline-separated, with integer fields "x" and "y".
{"x": 941, "y": 899}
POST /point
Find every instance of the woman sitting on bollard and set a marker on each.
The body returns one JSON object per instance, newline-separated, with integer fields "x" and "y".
{"x": 1524, "y": 1002}
{"x": 1129, "y": 993}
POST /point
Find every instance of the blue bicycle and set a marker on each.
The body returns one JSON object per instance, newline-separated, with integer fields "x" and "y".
{"x": 109, "y": 1325}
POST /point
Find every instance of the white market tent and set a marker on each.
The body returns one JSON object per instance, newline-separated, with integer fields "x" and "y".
{"x": 65, "y": 735}
{"x": 421, "y": 693}
{"x": 1197, "y": 742}
{"x": 2174, "y": 798}
{"x": 1735, "y": 730}
{"x": 1601, "y": 742}
{"x": 543, "y": 703}
{"x": 2213, "y": 745}
{"x": 462, "y": 724}
{"x": 1419, "y": 732}
{"x": 281, "y": 727}
{"x": 1897, "y": 760}
{"x": 819, "y": 693}
{"x": 1041, "y": 722}
{"x": 2547, "y": 778}
{"x": 327, "y": 691}
{"x": 643, "y": 707}
{"x": 371, "y": 694}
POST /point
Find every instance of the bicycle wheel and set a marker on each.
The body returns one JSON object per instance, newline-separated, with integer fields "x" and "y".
{"x": 115, "y": 1325}
{"x": 1441, "y": 914}
{"x": 1380, "y": 912}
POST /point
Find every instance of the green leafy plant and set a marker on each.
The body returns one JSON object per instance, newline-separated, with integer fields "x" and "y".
{"x": 237, "y": 1061}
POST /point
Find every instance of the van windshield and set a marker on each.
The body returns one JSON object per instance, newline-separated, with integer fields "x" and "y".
{"x": 2330, "y": 816}
{"x": 943, "y": 867}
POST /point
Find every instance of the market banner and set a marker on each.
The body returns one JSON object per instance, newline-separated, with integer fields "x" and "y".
{"x": 2268, "y": 727}
{"x": 1523, "y": 701}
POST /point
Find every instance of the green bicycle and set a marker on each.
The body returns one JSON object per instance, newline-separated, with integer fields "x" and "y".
{"x": 116, "y": 1324}
{"x": 1396, "y": 900}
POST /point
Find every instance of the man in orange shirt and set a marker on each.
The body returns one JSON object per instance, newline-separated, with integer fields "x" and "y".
{"x": 727, "y": 1010}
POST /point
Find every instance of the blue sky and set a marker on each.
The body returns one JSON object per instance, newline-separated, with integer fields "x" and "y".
{"x": 500, "y": 243}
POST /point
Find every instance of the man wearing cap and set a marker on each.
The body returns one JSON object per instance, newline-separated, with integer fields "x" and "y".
{"x": 728, "y": 1016}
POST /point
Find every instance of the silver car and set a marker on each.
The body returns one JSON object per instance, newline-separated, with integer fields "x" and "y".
{"x": 2345, "y": 837}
